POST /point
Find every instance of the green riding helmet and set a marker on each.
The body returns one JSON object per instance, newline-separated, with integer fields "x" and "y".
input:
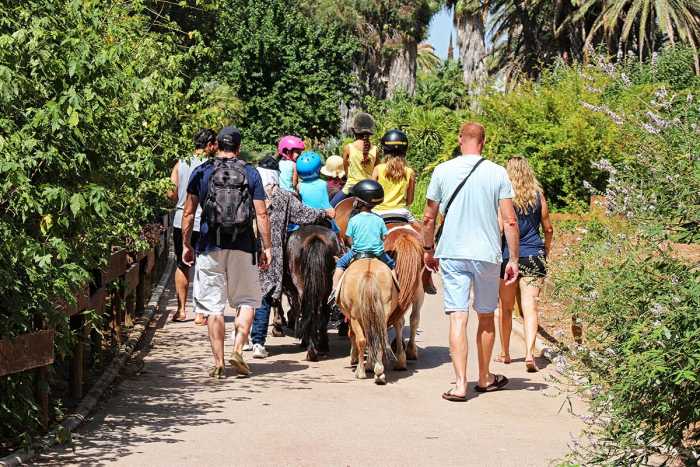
{"x": 362, "y": 124}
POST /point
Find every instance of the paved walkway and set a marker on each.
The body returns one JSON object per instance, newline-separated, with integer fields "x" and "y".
{"x": 293, "y": 412}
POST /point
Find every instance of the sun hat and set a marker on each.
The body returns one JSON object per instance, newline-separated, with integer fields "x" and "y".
{"x": 333, "y": 167}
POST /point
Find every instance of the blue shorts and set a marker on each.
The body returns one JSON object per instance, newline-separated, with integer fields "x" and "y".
{"x": 346, "y": 259}
{"x": 458, "y": 277}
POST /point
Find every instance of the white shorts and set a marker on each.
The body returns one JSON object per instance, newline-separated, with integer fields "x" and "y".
{"x": 225, "y": 276}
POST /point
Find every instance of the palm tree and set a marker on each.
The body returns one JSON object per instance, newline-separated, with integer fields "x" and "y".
{"x": 469, "y": 17}
{"x": 625, "y": 23}
{"x": 428, "y": 61}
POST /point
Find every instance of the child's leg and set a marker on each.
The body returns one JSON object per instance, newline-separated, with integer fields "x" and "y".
{"x": 340, "y": 267}
{"x": 388, "y": 260}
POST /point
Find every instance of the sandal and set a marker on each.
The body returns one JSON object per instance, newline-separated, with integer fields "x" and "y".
{"x": 503, "y": 359}
{"x": 178, "y": 318}
{"x": 531, "y": 366}
{"x": 200, "y": 320}
{"x": 240, "y": 364}
{"x": 452, "y": 397}
{"x": 216, "y": 372}
{"x": 499, "y": 381}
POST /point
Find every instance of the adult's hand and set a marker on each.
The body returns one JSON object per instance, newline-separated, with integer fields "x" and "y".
{"x": 187, "y": 255}
{"x": 511, "y": 273}
{"x": 265, "y": 258}
{"x": 431, "y": 262}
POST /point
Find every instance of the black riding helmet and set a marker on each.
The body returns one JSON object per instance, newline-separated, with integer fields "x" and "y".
{"x": 368, "y": 191}
{"x": 395, "y": 142}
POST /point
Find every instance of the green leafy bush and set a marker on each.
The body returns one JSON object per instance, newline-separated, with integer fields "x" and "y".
{"x": 90, "y": 111}
{"x": 640, "y": 360}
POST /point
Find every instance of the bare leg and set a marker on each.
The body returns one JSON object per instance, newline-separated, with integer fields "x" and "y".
{"x": 529, "y": 293}
{"x": 182, "y": 283}
{"x": 216, "y": 338}
{"x": 337, "y": 274}
{"x": 458, "y": 350}
{"x": 507, "y": 295}
{"x": 244, "y": 321}
{"x": 485, "y": 338}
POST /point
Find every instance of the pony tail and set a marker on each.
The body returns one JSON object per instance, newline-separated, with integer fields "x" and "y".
{"x": 372, "y": 316}
{"x": 366, "y": 146}
{"x": 409, "y": 266}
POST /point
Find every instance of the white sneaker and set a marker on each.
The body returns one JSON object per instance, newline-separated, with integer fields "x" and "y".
{"x": 248, "y": 347}
{"x": 259, "y": 351}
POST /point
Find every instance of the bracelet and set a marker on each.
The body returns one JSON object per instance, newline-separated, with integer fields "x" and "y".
{"x": 428, "y": 248}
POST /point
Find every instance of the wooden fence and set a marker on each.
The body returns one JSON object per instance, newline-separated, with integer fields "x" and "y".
{"x": 119, "y": 292}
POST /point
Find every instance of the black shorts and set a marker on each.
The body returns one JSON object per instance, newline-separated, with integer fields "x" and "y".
{"x": 177, "y": 245}
{"x": 529, "y": 266}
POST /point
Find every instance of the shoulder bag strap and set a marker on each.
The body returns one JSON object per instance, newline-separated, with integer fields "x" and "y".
{"x": 459, "y": 188}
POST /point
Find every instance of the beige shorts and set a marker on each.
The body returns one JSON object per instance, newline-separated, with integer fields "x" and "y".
{"x": 225, "y": 276}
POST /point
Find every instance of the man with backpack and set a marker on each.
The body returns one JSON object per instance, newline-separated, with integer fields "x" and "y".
{"x": 231, "y": 195}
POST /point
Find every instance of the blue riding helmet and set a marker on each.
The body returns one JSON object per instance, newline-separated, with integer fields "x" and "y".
{"x": 309, "y": 165}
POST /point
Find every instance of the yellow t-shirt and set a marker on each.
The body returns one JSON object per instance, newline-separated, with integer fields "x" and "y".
{"x": 357, "y": 171}
{"x": 394, "y": 191}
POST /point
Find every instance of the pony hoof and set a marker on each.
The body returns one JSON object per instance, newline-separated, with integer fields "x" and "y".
{"x": 277, "y": 332}
{"x": 380, "y": 380}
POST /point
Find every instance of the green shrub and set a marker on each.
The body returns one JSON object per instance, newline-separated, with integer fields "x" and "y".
{"x": 640, "y": 360}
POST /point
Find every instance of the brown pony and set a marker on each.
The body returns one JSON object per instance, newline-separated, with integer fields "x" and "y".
{"x": 404, "y": 243}
{"x": 368, "y": 298}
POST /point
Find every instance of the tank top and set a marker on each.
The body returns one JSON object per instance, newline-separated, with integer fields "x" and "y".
{"x": 185, "y": 169}
{"x": 357, "y": 171}
{"x": 394, "y": 191}
{"x": 287, "y": 174}
{"x": 531, "y": 243}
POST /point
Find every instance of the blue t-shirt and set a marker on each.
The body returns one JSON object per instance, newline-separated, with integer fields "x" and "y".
{"x": 199, "y": 186}
{"x": 287, "y": 174}
{"x": 315, "y": 194}
{"x": 367, "y": 231}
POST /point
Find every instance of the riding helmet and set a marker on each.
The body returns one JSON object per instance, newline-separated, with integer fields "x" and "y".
{"x": 309, "y": 165}
{"x": 368, "y": 191}
{"x": 362, "y": 124}
{"x": 395, "y": 142}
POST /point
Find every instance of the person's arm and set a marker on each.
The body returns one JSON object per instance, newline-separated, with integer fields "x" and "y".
{"x": 500, "y": 221}
{"x": 191, "y": 203}
{"x": 512, "y": 233}
{"x": 429, "y": 216}
{"x": 547, "y": 226}
{"x": 263, "y": 221}
{"x": 411, "y": 189}
{"x": 346, "y": 159}
{"x": 375, "y": 174}
{"x": 174, "y": 178}
{"x": 295, "y": 180}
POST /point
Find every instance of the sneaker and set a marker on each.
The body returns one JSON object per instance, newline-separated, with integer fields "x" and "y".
{"x": 259, "y": 351}
{"x": 248, "y": 347}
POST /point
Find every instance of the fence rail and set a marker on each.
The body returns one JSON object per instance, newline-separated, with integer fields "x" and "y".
{"x": 118, "y": 291}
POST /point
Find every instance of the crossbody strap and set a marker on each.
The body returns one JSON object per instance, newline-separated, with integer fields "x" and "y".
{"x": 459, "y": 188}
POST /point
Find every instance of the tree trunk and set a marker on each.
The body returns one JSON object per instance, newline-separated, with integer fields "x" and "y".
{"x": 472, "y": 48}
{"x": 402, "y": 72}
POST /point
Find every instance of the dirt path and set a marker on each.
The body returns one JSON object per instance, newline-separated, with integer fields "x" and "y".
{"x": 293, "y": 412}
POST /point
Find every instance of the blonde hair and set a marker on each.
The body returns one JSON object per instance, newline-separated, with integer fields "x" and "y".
{"x": 525, "y": 184}
{"x": 395, "y": 167}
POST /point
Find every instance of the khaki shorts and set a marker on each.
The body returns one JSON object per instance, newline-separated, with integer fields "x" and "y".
{"x": 225, "y": 276}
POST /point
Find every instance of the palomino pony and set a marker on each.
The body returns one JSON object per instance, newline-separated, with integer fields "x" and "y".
{"x": 311, "y": 251}
{"x": 368, "y": 298}
{"x": 405, "y": 245}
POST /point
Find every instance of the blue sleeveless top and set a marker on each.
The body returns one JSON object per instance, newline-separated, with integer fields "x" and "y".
{"x": 531, "y": 243}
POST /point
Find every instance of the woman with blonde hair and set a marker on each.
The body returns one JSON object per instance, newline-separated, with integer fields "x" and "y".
{"x": 533, "y": 213}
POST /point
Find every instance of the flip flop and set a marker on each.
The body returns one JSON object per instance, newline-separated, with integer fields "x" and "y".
{"x": 531, "y": 366}
{"x": 499, "y": 381}
{"x": 201, "y": 322}
{"x": 178, "y": 319}
{"x": 450, "y": 396}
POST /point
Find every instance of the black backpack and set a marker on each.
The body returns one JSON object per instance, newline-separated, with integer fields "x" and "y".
{"x": 228, "y": 207}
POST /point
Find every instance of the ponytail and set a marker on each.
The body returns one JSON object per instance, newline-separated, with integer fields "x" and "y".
{"x": 366, "y": 146}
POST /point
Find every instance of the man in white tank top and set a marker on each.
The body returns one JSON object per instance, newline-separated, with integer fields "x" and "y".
{"x": 205, "y": 146}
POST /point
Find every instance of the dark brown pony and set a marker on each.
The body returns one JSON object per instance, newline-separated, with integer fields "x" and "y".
{"x": 311, "y": 251}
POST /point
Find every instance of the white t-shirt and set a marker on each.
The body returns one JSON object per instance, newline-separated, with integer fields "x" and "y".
{"x": 471, "y": 228}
